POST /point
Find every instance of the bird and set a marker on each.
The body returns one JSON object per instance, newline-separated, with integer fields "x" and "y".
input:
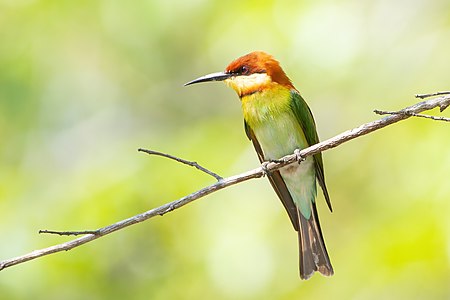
{"x": 278, "y": 122}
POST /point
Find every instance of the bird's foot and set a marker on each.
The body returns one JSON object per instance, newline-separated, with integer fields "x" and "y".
{"x": 266, "y": 163}
{"x": 298, "y": 156}
{"x": 265, "y": 169}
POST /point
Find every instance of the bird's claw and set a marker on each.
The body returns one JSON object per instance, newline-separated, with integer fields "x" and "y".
{"x": 298, "y": 157}
{"x": 264, "y": 168}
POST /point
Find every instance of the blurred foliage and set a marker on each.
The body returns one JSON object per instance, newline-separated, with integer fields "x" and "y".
{"x": 83, "y": 84}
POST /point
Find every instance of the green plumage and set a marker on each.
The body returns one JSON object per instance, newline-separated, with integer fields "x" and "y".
{"x": 305, "y": 119}
{"x": 278, "y": 121}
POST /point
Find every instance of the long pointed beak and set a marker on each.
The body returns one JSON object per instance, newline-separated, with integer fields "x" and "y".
{"x": 219, "y": 76}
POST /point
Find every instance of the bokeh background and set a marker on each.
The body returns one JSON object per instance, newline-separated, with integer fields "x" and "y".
{"x": 83, "y": 84}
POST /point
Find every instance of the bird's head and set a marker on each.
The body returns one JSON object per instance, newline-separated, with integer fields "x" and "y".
{"x": 250, "y": 73}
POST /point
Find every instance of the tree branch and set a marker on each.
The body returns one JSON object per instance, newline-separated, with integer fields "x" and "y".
{"x": 69, "y": 232}
{"x": 423, "y": 96}
{"x": 183, "y": 161}
{"x": 385, "y": 112}
{"x": 441, "y": 102}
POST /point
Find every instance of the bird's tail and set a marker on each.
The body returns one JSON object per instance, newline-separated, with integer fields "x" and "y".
{"x": 313, "y": 254}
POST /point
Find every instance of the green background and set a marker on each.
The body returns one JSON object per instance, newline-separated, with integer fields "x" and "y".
{"x": 83, "y": 84}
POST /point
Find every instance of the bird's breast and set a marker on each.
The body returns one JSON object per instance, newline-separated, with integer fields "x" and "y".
{"x": 279, "y": 133}
{"x": 280, "y": 136}
{"x": 269, "y": 115}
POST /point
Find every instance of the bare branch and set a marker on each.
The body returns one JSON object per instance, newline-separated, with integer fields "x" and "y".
{"x": 442, "y": 106}
{"x": 225, "y": 182}
{"x": 423, "y": 96}
{"x": 70, "y": 232}
{"x": 133, "y": 220}
{"x": 384, "y": 112}
{"x": 183, "y": 161}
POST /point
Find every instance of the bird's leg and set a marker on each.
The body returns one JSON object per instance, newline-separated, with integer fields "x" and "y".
{"x": 298, "y": 156}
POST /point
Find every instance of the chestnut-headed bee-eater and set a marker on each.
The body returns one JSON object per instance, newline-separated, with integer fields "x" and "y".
{"x": 278, "y": 121}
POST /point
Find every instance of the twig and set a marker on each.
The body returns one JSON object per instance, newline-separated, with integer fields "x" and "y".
{"x": 384, "y": 112}
{"x": 183, "y": 161}
{"x": 84, "y": 232}
{"x": 225, "y": 182}
{"x": 443, "y": 105}
{"x": 423, "y": 96}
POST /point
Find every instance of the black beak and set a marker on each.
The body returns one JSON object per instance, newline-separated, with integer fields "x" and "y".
{"x": 219, "y": 76}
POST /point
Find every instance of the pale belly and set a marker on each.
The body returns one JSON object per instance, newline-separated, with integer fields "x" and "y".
{"x": 281, "y": 138}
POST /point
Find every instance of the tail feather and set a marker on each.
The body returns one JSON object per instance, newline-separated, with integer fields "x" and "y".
{"x": 313, "y": 254}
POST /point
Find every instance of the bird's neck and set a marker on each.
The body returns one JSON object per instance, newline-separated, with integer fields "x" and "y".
{"x": 265, "y": 105}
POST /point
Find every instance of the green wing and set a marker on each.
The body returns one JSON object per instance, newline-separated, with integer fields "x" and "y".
{"x": 305, "y": 119}
{"x": 276, "y": 181}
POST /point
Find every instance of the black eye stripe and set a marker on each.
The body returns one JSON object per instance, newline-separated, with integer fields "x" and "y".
{"x": 242, "y": 70}
{"x": 245, "y": 70}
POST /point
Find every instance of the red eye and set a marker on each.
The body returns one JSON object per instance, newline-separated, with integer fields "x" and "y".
{"x": 244, "y": 70}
